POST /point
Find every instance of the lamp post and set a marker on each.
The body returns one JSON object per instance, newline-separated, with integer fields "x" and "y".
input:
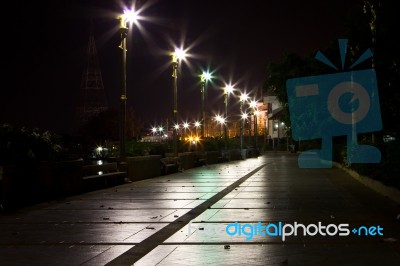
{"x": 154, "y": 131}
{"x": 186, "y": 127}
{"x": 243, "y": 98}
{"x": 253, "y": 104}
{"x": 256, "y": 113}
{"x": 176, "y": 128}
{"x": 206, "y": 76}
{"x": 197, "y": 124}
{"x": 160, "y": 130}
{"x": 220, "y": 120}
{"x": 177, "y": 56}
{"x": 227, "y": 90}
{"x": 128, "y": 16}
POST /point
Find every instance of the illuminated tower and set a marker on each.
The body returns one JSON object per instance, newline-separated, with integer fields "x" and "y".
{"x": 92, "y": 98}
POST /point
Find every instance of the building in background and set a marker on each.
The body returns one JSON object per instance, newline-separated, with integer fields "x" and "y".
{"x": 277, "y": 130}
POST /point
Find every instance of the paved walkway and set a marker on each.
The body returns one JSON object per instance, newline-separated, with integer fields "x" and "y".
{"x": 181, "y": 219}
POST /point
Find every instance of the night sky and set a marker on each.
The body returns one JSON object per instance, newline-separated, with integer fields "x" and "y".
{"x": 237, "y": 39}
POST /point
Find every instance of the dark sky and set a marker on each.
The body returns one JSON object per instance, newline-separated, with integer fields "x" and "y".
{"x": 237, "y": 39}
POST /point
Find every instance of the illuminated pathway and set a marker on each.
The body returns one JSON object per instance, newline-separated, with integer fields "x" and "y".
{"x": 181, "y": 219}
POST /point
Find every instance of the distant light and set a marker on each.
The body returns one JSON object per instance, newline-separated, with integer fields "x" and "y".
{"x": 186, "y": 125}
{"x": 253, "y": 104}
{"x": 178, "y": 54}
{"x": 197, "y": 124}
{"x": 243, "y": 97}
{"x": 176, "y": 127}
{"x": 128, "y": 16}
{"x": 228, "y": 89}
{"x": 388, "y": 138}
{"x": 160, "y": 129}
{"x": 131, "y": 15}
{"x": 206, "y": 76}
{"x": 154, "y": 129}
{"x": 245, "y": 116}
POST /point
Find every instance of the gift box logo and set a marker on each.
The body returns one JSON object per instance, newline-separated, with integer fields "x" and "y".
{"x": 344, "y": 103}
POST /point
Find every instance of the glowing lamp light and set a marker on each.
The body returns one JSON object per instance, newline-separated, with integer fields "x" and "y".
{"x": 253, "y": 104}
{"x": 128, "y": 16}
{"x": 178, "y": 55}
{"x": 243, "y": 97}
{"x": 206, "y": 76}
{"x": 228, "y": 89}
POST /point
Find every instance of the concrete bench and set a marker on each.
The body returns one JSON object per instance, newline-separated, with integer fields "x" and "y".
{"x": 101, "y": 176}
{"x": 169, "y": 165}
{"x": 200, "y": 159}
{"x": 143, "y": 167}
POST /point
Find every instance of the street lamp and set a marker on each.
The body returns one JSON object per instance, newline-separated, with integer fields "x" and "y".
{"x": 256, "y": 113}
{"x": 227, "y": 90}
{"x": 243, "y": 98}
{"x": 253, "y": 104}
{"x": 197, "y": 124}
{"x": 177, "y": 56}
{"x": 220, "y": 120}
{"x": 206, "y": 76}
{"x": 186, "y": 126}
{"x": 154, "y": 131}
{"x": 128, "y": 16}
{"x": 160, "y": 129}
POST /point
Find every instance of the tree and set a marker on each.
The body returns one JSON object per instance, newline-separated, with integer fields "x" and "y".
{"x": 373, "y": 26}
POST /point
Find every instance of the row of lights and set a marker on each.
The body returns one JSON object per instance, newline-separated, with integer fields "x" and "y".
{"x": 177, "y": 56}
{"x": 185, "y": 125}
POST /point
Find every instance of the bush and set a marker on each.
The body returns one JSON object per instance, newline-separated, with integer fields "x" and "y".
{"x": 387, "y": 171}
{"x": 135, "y": 148}
{"x": 213, "y": 144}
{"x": 23, "y": 145}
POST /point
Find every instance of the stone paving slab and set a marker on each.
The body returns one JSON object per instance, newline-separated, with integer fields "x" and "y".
{"x": 269, "y": 254}
{"x": 147, "y": 222}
